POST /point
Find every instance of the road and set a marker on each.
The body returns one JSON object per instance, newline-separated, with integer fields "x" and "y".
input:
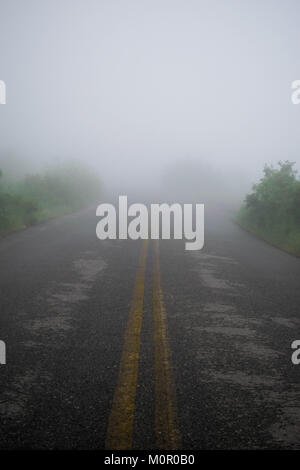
{"x": 129, "y": 344}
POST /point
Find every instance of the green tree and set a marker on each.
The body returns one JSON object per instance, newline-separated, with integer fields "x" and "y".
{"x": 272, "y": 210}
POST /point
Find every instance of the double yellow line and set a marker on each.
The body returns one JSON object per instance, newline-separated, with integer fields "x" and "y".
{"x": 166, "y": 425}
{"x": 121, "y": 419}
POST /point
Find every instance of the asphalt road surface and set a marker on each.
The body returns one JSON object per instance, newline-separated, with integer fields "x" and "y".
{"x": 136, "y": 345}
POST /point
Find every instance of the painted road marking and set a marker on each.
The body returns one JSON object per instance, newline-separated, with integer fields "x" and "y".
{"x": 121, "y": 419}
{"x": 166, "y": 416}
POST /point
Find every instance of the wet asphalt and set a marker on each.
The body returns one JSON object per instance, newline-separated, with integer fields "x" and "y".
{"x": 232, "y": 313}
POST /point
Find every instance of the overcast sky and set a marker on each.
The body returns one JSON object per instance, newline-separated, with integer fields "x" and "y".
{"x": 130, "y": 85}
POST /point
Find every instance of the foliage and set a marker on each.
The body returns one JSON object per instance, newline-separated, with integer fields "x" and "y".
{"x": 61, "y": 189}
{"x": 272, "y": 210}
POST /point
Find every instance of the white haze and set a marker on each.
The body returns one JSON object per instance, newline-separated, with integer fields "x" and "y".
{"x": 134, "y": 86}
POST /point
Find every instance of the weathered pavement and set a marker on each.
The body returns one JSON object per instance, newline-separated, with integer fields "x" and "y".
{"x": 209, "y": 334}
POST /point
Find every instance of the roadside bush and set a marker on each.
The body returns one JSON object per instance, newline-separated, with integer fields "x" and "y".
{"x": 61, "y": 189}
{"x": 272, "y": 211}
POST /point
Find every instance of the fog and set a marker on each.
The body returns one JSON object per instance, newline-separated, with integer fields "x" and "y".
{"x": 148, "y": 91}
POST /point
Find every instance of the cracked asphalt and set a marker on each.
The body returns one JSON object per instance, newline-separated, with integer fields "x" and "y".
{"x": 231, "y": 312}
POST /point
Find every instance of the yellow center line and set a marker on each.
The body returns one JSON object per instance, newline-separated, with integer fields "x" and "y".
{"x": 166, "y": 419}
{"x": 121, "y": 419}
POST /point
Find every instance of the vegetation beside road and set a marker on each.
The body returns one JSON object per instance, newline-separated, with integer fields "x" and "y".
{"x": 272, "y": 210}
{"x": 59, "y": 190}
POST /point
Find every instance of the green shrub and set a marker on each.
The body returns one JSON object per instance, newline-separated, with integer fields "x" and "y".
{"x": 272, "y": 210}
{"x": 61, "y": 189}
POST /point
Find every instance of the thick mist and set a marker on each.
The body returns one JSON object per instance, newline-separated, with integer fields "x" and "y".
{"x": 182, "y": 98}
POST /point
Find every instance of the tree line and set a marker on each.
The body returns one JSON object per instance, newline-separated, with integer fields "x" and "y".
{"x": 59, "y": 190}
